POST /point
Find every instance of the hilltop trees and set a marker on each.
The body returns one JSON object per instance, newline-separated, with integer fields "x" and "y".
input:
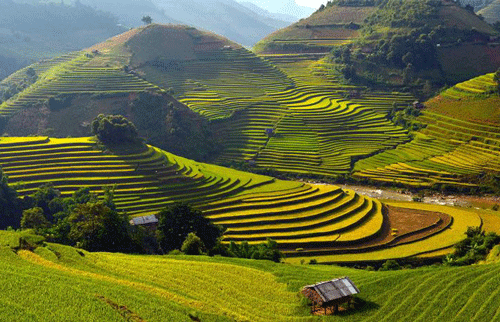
{"x": 147, "y": 20}
{"x": 114, "y": 129}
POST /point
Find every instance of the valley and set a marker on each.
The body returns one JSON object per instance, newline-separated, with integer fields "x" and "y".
{"x": 365, "y": 137}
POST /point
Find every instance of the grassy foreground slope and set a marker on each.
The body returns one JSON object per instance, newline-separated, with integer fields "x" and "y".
{"x": 305, "y": 219}
{"x": 61, "y": 283}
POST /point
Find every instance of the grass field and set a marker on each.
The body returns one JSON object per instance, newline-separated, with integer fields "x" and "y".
{"x": 59, "y": 282}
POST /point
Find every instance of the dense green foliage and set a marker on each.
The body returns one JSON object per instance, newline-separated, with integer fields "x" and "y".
{"x": 114, "y": 129}
{"x": 34, "y": 218}
{"x": 193, "y": 245}
{"x": 268, "y": 250}
{"x": 177, "y": 221}
{"x": 10, "y": 204}
{"x": 403, "y": 36}
{"x": 79, "y": 220}
{"x": 474, "y": 248}
{"x": 95, "y": 226}
{"x": 165, "y": 123}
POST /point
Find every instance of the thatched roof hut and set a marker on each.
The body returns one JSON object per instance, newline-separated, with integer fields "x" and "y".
{"x": 330, "y": 294}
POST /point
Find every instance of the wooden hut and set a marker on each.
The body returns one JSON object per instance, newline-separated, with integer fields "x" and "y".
{"x": 330, "y": 294}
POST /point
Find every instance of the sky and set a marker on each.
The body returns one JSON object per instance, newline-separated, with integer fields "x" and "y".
{"x": 311, "y": 3}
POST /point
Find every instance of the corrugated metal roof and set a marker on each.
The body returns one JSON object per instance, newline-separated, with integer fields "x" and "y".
{"x": 144, "y": 220}
{"x": 335, "y": 289}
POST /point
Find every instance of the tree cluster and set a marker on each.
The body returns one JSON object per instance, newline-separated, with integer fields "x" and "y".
{"x": 177, "y": 221}
{"x": 86, "y": 221}
{"x": 10, "y": 204}
{"x": 268, "y": 250}
{"x": 408, "y": 51}
{"x": 182, "y": 227}
{"x": 81, "y": 220}
{"x": 114, "y": 129}
{"x": 174, "y": 127}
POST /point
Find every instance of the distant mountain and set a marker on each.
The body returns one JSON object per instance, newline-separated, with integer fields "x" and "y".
{"x": 266, "y": 13}
{"x": 130, "y": 12}
{"x": 285, "y": 7}
{"x": 225, "y": 17}
{"x": 30, "y": 32}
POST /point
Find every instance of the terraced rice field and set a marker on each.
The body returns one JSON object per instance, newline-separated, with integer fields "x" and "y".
{"x": 298, "y": 215}
{"x": 291, "y": 113}
{"x": 314, "y": 130}
{"x": 82, "y": 286}
{"x": 446, "y": 150}
{"x": 73, "y": 74}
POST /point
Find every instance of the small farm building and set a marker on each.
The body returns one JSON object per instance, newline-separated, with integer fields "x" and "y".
{"x": 330, "y": 294}
{"x": 151, "y": 221}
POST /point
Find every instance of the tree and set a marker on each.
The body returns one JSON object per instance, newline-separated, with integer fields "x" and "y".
{"x": 147, "y": 20}
{"x": 177, "y": 221}
{"x": 193, "y": 245}
{"x": 34, "y": 218}
{"x": 114, "y": 129}
{"x": 47, "y": 198}
{"x": 496, "y": 78}
{"x": 96, "y": 227}
{"x": 10, "y": 204}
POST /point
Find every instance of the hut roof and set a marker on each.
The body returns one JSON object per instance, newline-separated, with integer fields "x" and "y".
{"x": 145, "y": 220}
{"x": 334, "y": 289}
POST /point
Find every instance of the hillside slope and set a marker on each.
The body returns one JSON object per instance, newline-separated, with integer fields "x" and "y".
{"x": 58, "y": 282}
{"x": 392, "y": 43}
{"x": 491, "y": 13}
{"x": 205, "y": 97}
{"x": 457, "y": 146}
{"x": 319, "y": 220}
{"x": 318, "y": 33}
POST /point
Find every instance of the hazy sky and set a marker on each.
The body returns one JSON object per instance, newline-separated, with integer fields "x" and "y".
{"x": 311, "y": 3}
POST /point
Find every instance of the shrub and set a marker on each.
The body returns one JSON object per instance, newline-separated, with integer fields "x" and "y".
{"x": 268, "y": 250}
{"x": 193, "y": 245}
{"x": 34, "y": 218}
{"x": 390, "y": 265}
{"x": 472, "y": 249}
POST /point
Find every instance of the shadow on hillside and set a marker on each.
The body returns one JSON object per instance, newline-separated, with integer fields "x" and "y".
{"x": 124, "y": 148}
{"x": 360, "y": 306}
